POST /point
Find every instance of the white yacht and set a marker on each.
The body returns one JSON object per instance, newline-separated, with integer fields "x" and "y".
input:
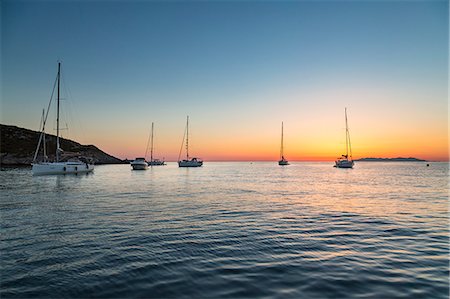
{"x": 188, "y": 162}
{"x": 346, "y": 161}
{"x": 59, "y": 166}
{"x": 139, "y": 164}
{"x": 282, "y": 160}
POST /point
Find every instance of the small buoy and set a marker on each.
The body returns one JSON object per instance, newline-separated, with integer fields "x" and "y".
{"x": 428, "y": 165}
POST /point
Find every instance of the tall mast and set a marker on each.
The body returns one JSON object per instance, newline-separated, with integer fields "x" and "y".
{"x": 187, "y": 138}
{"x": 346, "y": 133}
{"x": 151, "y": 148}
{"x": 281, "y": 151}
{"x": 43, "y": 134}
{"x": 57, "y": 114}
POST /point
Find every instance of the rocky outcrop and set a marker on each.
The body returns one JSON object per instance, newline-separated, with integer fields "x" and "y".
{"x": 17, "y": 146}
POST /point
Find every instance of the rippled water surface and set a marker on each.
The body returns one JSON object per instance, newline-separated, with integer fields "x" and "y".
{"x": 229, "y": 230}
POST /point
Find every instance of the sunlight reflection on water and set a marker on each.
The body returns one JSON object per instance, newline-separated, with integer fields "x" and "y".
{"x": 227, "y": 230}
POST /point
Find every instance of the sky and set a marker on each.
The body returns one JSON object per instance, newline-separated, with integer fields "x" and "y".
{"x": 238, "y": 69}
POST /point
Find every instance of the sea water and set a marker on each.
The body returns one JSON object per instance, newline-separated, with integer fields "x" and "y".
{"x": 227, "y": 230}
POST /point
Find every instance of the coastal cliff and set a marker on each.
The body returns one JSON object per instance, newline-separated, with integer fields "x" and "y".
{"x": 17, "y": 146}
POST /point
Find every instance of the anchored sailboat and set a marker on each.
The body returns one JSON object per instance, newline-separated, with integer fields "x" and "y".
{"x": 346, "y": 161}
{"x": 283, "y": 160}
{"x": 154, "y": 162}
{"x": 194, "y": 162}
{"x": 73, "y": 165}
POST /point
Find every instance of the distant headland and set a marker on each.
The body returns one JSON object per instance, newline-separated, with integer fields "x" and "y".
{"x": 18, "y": 146}
{"x": 398, "y": 159}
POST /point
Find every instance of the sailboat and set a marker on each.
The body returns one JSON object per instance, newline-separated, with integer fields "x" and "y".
{"x": 194, "y": 162}
{"x": 283, "y": 160}
{"x": 73, "y": 165}
{"x": 346, "y": 161}
{"x": 154, "y": 162}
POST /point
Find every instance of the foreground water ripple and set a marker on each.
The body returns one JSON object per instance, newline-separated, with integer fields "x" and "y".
{"x": 227, "y": 230}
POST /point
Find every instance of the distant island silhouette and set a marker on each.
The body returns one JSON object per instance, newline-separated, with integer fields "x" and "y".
{"x": 398, "y": 159}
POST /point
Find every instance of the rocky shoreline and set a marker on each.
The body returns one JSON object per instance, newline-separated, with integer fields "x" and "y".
{"x": 17, "y": 146}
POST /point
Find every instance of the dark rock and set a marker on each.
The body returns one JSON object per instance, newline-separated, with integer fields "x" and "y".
{"x": 17, "y": 147}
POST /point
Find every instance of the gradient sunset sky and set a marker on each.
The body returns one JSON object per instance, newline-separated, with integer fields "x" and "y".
{"x": 238, "y": 69}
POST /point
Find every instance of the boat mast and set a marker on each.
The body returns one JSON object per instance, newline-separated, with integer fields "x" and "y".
{"x": 346, "y": 134}
{"x": 151, "y": 148}
{"x": 43, "y": 134}
{"x": 281, "y": 150}
{"x": 57, "y": 114}
{"x": 187, "y": 138}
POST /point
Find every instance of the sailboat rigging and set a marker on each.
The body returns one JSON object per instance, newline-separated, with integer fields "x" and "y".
{"x": 282, "y": 160}
{"x": 154, "y": 162}
{"x": 73, "y": 165}
{"x": 346, "y": 161}
{"x": 193, "y": 162}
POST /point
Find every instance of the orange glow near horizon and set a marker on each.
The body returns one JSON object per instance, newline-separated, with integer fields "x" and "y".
{"x": 244, "y": 145}
{"x": 256, "y": 149}
{"x": 313, "y": 130}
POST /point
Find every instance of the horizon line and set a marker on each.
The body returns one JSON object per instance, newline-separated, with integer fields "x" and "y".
{"x": 251, "y": 161}
{"x": 245, "y": 160}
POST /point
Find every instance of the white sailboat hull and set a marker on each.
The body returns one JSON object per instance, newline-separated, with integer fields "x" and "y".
{"x": 283, "y": 162}
{"x": 190, "y": 163}
{"x": 61, "y": 168}
{"x": 156, "y": 163}
{"x": 344, "y": 164}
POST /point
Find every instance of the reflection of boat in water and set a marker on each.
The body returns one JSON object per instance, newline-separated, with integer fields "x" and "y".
{"x": 194, "y": 162}
{"x": 283, "y": 160}
{"x": 139, "y": 164}
{"x": 154, "y": 162}
{"x": 64, "y": 163}
{"x": 346, "y": 161}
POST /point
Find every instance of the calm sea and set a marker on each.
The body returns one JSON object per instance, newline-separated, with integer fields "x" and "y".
{"x": 227, "y": 230}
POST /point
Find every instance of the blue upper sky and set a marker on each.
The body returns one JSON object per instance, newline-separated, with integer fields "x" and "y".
{"x": 163, "y": 60}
